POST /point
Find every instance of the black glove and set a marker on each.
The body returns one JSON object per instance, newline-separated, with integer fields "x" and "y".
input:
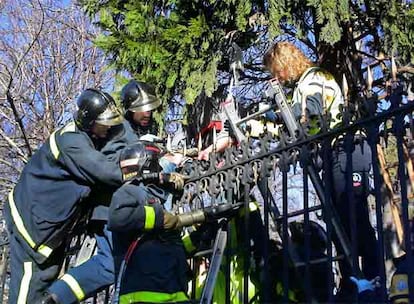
{"x": 228, "y": 128}
{"x": 220, "y": 211}
{"x": 146, "y": 177}
{"x": 175, "y": 179}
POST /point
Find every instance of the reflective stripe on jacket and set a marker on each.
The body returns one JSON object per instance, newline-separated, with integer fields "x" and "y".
{"x": 57, "y": 177}
{"x": 153, "y": 297}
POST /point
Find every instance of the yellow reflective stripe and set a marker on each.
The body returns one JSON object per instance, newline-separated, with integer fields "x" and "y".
{"x": 253, "y": 206}
{"x": 70, "y": 127}
{"x": 188, "y": 244}
{"x": 24, "y": 284}
{"x": 153, "y": 297}
{"x": 43, "y": 249}
{"x": 74, "y": 286}
{"x": 149, "y": 217}
{"x": 53, "y": 145}
{"x": 19, "y": 222}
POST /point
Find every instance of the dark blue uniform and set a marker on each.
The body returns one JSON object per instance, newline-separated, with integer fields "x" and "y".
{"x": 366, "y": 242}
{"x": 47, "y": 202}
{"x": 97, "y": 272}
{"x": 156, "y": 270}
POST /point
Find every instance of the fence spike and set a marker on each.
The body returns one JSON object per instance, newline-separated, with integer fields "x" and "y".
{"x": 370, "y": 79}
{"x": 345, "y": 89}
{"x": 393, "y": 69}
{"x": 200, "y": 142}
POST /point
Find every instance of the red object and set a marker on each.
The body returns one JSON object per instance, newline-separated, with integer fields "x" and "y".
{"x": 214, "y": 123}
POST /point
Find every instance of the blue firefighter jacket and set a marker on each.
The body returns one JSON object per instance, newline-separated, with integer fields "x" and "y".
{"x": 55, "y": 183}
{"x": 159, "y": 259}
{"x": 120, "y": 137}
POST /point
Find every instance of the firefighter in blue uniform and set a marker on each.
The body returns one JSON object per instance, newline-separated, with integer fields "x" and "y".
{"x": 139, "y": 101}
{"x": 98, "y": 271}
{"x": 51, "y": 196}
{"x": 150, "y": 258}
{"x": 156, "y": 269}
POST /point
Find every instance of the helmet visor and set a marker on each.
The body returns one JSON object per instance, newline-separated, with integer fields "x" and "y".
{"x": 147, "y": 103}
{"x": 110, "y": 117}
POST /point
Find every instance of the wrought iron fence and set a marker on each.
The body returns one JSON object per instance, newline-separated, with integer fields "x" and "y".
{"x": 288, "y": 254}
{"x": 280, "y": 253}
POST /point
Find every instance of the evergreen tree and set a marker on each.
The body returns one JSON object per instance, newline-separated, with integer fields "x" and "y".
{"x": 180, "y": 46}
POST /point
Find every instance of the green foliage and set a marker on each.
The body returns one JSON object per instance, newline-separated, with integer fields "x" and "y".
{"x": 175, "y": 45}
{"x": 397, "y": 21}
{"x": 298, "y": 16}
{"x": 179, "y": 45}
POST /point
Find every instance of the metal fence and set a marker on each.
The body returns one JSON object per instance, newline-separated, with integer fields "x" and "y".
{"x": 289, "y": 265}
{"x": 288, "y": 248}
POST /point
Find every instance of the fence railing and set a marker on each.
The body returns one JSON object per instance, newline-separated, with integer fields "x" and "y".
{"x": 302, "y": 239}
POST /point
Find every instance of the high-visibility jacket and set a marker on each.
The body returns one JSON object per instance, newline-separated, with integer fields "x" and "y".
{"x": 236, "y": 264}
{"x": 54, "y": 185}
{"x": 315, "y": 90}
{"x": 156, "y": 270}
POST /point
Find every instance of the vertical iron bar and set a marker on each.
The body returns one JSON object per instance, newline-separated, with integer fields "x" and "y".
{"x": 327, "y": 168}
{"x": 285, "y": 235}
{"x": 246, "y": 258}
{"x": 5, "y": 256}
{"x": 229, "y": 248}
{"x": 263, "y": 182}
{"x": 373, "y": 140}
{"x": 402, "y": 176}
{"x": 306, "y": 228}
{"x": 349, "y": 146}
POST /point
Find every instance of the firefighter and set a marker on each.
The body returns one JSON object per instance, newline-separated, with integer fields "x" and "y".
{"x": 139, "y": 101}
{"x": 98, "y": 271}
{"x": 314, "y": 90}
{"x": 147, "y": 240}
{"x": 51, "y": 195}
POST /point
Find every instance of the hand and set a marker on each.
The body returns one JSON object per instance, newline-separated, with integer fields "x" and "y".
{"x": 221, "y": 211}
{"x": 171, "y": 221}
{"x": 174, "y": 178}
{"x": 203, "y": 155}
{"x": 151, "y": 138}
{"x": 364, "y": 285}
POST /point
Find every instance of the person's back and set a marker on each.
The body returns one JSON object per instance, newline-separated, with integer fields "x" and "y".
{"x": 146, "y": 243}
{"x": 46, "y": 202}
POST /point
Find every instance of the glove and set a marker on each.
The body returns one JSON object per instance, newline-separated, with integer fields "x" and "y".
{"x": 175, "y": 179}
{"x": 221, "y": 211}
{"x": 151, "y": 138}
{"x": 191, "y": 218}
{"x": 228, "y": 128}
{"x": 364, "y": 285}
{"x": 171, "y": 221}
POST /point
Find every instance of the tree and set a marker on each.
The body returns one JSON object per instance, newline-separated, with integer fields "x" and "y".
{"x": 180, "y": 46}
{"x": 47, "y": 58}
